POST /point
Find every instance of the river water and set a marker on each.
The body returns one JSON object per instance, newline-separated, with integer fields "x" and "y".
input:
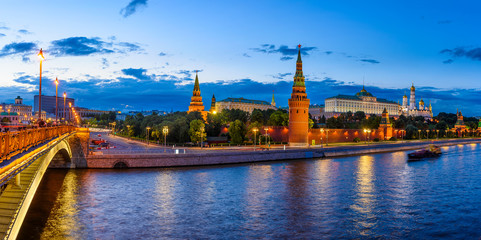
{"x": 368, "y": 196}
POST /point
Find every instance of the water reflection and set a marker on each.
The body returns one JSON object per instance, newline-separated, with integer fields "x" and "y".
{"x": 364, "y": 200}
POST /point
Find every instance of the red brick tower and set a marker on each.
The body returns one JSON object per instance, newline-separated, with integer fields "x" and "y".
{"x": 196, "y": 104}
{"x": 298, "y": 108}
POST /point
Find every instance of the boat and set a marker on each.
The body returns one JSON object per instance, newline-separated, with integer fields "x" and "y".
{"x": 429, "y": 152}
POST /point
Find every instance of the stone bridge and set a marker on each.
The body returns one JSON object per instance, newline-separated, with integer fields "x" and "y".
{"x": 21, "y": 173}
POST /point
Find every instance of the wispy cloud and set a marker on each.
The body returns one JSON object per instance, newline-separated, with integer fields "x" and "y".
{"x": 286, "y": 52}
{"x": 23, "y": 49}
{"x": 162, "y": 54}
{"x": 24, "y": 31}
{"x": 131, "y": 8}
{"x": 281, "y": 76}
{"x": 2, "y": 35}
{"x": 84, "y": 46}
{"x": 470, "y": 53}
{"x": 373, "y": 61}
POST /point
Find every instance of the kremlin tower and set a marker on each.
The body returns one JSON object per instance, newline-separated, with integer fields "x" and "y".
{"x": 212, "y": 105}
{"x": 298, "y": 108}
{"x": 412, "y": 100}
{"x": 196, "y": 104}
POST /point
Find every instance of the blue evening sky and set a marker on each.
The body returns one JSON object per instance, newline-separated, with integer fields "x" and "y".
{"x": 142, "y": 54}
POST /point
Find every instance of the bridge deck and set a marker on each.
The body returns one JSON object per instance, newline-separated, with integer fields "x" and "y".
{"x": 19, "y": 191}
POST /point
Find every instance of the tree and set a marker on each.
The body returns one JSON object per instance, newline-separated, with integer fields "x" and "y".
{"x": 278, "y": 118}
{"x": 214, "y": 125}
{"x": 237, "y": 131}
{"x": 359, "y": 116}
{"x": 196, "y": 131}
{"x": 257, "y": 116}
{"x": 250, "y": 132}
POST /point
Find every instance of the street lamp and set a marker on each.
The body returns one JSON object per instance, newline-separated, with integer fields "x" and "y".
{"x": 41, "y": 57}
{"x": 255, "y": 131}
{"x": 165, "y": 131}
{"x": 427, "y": 136}
{"x": 201, "y": 136}
{"x": 148, "y": 128}
{"x": 322, "y": 131}
{"x": 64, "y": 99}
{"x": 437, "y": 133}
{"x": 56, "y": 101}
{"x": 128, "y": 130}
{"x": 365, "y": 135}
{"x": 419, "y": 133}
{"x": 266, "y": 129}
{"x": 70, "y": 111}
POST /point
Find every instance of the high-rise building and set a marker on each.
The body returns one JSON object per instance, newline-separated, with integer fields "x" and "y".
{"x": 49, "y": 104}
{"x": 298, "y": 108}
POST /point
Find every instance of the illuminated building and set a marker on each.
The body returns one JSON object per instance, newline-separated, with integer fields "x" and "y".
{"x": 362, "y": 101}
{"x": 409, "y": 109}
{"x": 196, "y": 104}
{"x": 298, "y": 108}
{"x": 242, "y": 104}
{"x": 23, "y": 111}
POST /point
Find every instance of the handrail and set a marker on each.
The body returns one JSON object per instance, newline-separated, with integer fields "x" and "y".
{"x": 12, "y": 143}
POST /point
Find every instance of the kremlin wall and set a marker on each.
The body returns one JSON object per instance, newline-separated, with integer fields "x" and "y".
{"x": 298, "y": 133}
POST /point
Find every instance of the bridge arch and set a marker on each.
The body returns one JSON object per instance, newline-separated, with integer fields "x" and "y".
{"x": 60, "y": 155}
{"x": 120, "y": 164}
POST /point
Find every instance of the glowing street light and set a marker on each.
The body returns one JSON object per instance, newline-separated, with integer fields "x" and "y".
{"x": 267, "y": 129}
{"x": 148, "y": 128}
{"x": 64, "y": 99}
{"x": 56, "y": 100}
{"x": 322, "y": 131}
{"x": 255, "y": 131}
{"x": 128, "y": 130}
{"x": 165, "y": 131}
{"x": 41, "y": 58}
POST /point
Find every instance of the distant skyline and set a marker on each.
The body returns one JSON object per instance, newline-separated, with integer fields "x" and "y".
{"x": 142, "y": 54}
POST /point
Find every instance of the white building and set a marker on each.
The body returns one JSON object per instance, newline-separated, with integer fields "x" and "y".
{"x": 410, "y": 109}
{"x": 243, "y": 104}
{"x": 362, "y": 101}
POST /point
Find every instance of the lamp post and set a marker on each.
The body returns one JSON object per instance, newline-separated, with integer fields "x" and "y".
{"x": 266, "y": 129}
{"x": 201, "y": 136}
{"x": 165, "y": 131}
{"x": 365, "y": 136}
{"x": 128, "y": 130}
{"x": 148, "y": 128}
{"x": 56, "y": 101}
{"x": 64, "y": 99}
{"x": 41, "y": 57}
{"x": 419, "y": 134}
{"x": 255, "y": 131}
{"x": 322, "y": 131}
{"x": 437, "y": 133}
{"x": 69, "y": 112}
{"x": 327, "y": 137}
{"x": 427, "y": 134}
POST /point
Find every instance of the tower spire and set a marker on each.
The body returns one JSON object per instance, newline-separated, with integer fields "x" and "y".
{"x": 273, "y": 102}
{"x": 196, "y": 84}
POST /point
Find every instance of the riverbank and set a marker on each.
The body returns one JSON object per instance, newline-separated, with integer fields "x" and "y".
{"x": 232, "y": 157}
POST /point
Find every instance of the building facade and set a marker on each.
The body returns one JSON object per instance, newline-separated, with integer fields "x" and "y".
{"x": 410, "y": 109}
{"x": 49, "y": 103}
{"x": 299, "y": 108}
{"x": 242, "y": 104}
{"x": 362, "y": 101}
{"x": 24, "y": 112}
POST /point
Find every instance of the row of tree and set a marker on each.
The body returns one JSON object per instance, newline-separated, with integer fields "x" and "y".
{"x": 186, "y": 127}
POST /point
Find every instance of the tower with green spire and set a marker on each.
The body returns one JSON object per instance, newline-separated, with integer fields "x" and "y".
{"x": 196, "y": 104}
{"x": 212, "y": 105}
{"x": 299, "y": 108}
{"x": 273, "y": 102}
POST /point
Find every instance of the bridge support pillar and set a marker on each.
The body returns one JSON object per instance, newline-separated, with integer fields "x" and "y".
{"x": 17, "y": 180}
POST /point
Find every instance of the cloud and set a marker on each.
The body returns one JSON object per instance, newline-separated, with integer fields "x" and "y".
{"x": 138, "y": 73}
{"x": 162, "y": 54}
{"x": 23, "y": 49}
{"x": 449, "y": 61}
{"x": 470, "y": 53}
{"x": 105, "y": 63}
{"x": 246, "y": 55}
{"x": 24, "y": 31}
{"x": 285, "y": 51}
{"x": 2, "y": 35}
{"x": 328, "y": 52}
{"x": 281, "y": 76}
{"x": 445, "y": 22}
{"x": 84, "y": 46}
{"x": 131, "y": 8}
{"x": 370, "y": 61}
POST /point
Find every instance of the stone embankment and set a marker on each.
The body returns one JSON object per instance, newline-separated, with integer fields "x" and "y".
{"x": 231, "y": 157}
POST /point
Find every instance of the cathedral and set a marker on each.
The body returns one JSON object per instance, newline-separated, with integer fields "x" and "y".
{"x": 410, "y": 109}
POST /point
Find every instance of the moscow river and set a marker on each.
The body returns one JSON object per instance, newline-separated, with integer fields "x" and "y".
{"x": 368, "y": 196}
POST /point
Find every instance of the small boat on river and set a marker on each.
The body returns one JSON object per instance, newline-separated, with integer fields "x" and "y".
{"x": 429, "y": 152}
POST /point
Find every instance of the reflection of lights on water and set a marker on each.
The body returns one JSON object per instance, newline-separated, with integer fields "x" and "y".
{"x": 364, "y": 193}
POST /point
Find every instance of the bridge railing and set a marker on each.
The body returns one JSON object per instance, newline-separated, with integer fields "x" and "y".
{"x": 12, "y": 143}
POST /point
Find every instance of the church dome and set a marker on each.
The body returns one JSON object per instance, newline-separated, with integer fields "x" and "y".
{"x": 413, "y": 88}
{"x": 363, "y": 93}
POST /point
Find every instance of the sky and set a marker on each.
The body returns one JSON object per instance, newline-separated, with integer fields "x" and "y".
{"x": 142, "y": 54}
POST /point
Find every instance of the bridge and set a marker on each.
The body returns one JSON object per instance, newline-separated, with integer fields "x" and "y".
{"x": 25, "y": 156}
